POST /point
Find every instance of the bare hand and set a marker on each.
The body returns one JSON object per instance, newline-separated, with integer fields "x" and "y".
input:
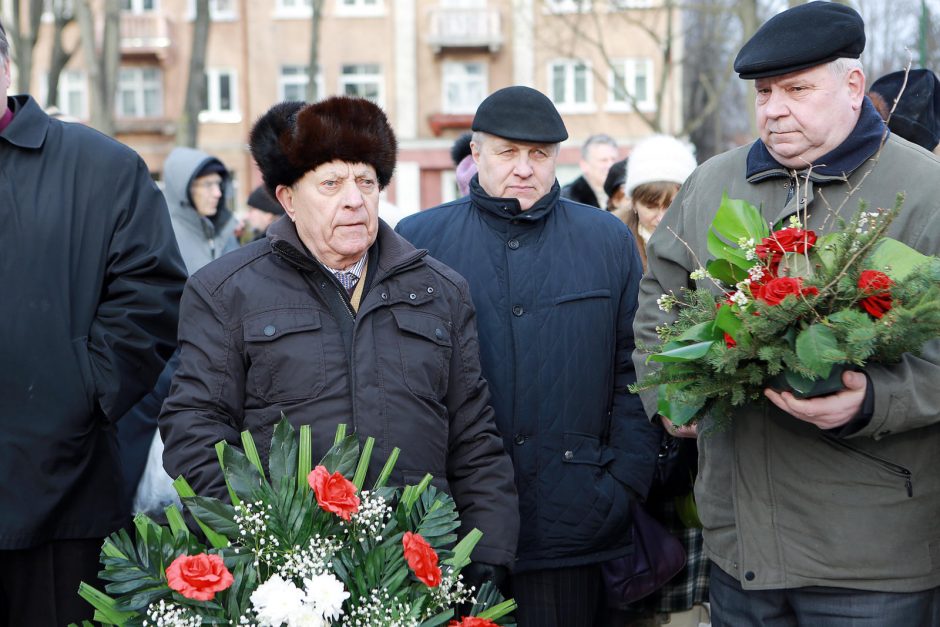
{"x": 685, "y": 431}
{"x": 826, "y": 412}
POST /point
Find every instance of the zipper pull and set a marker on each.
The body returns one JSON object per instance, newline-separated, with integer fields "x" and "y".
{"x": 910, "y": 487}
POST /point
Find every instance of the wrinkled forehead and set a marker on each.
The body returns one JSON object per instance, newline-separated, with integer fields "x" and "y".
{"x": 344, "y": 169}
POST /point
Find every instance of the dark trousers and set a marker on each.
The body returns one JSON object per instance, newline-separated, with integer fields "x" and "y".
{"x": 39, "y": 586}
{"x": 563, "y": 597}
{"x": 817, "y": 606}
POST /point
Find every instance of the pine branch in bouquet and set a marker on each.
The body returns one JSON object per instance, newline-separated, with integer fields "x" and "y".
{"x": 786, "y": 307}
{"x": 298, "y": 545}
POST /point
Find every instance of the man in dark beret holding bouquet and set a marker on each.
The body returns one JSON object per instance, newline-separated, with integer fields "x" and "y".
{"x": 821, "y": 511}
{"x": 555, "y": 284}
{"x": 333, "y": 318}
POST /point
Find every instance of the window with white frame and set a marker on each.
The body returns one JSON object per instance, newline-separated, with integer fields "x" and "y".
{"x": 363, "y": 80}
{"x": 630, "y": 85}
{"x": 73, "y": 93}
{"x": 293, "y": 8}
{"x": 360, "y": 7}
{"x": 140, "y": 92}
{"x": 567, "y": 6}
{"x": 219, "y": 10}
{"x": 292, "y": 83}
{"x": 622, "y": 5}
{"x": 571, "y": 85}
{"x": 465, "y": 86}
{"x": 139, "y": 6}
{"x": 221, "y": 96}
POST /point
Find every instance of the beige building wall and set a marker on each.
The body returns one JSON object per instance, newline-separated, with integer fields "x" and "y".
{"x": 423, "y": 49}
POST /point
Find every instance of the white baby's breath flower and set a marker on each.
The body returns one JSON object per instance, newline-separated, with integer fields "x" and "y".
{"x": 666, "y": 302}
{"x": 698, "y": 274}
{"x": 739, "y": 298}
{"x": 795, "y": 222}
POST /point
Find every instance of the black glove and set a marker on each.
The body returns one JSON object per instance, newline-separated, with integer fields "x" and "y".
{"x": 477, "y": 573}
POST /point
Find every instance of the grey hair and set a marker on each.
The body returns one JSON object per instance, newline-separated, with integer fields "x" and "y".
{"x": 480, "y": 136}
{"x": 600, "y": 139}
{"x": 841, "y": 67}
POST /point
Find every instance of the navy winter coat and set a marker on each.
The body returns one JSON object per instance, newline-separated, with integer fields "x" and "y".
{"x": 555, "y": 288}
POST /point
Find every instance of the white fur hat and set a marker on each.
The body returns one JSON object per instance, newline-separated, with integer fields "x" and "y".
{"x": 658, "y": 158}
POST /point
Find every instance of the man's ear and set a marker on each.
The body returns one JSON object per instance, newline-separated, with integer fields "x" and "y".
{"x": 285, "y": 196}
{"x": 855, "y": 81}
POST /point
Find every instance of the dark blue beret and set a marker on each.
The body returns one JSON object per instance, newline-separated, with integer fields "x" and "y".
{"x": 802, "y": 37}
{"x": 917, "y": 115}
{"x": 520, "y": 114}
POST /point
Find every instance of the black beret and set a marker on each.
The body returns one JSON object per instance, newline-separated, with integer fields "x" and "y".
{"x": 616, "y": 177}
{"x": 802, "y": 37}
{"x": 293, "y": 138}
{"x": 916, "y": 117}
{"x": 520, "y": 114}
{"x": 261, "y": 199}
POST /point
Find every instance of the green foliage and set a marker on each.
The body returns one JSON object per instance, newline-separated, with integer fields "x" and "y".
{"x": 727, "y": 344}
{"x": 273, "y": 519}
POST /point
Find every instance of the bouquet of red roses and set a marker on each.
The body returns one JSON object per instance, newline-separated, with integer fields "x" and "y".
{"x": 298, "y": 545}
{"x": 790, "y": 308}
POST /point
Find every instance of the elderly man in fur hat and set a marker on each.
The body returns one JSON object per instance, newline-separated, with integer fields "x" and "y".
{"x": 333, "y": 318}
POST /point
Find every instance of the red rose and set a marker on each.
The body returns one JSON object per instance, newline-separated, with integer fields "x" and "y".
{"x": 775, "y": 290}
{"x": 472, "y": 621}
{"x": 877, "y": 287}
{"x": 785, "y": 241}
{"x": 198, "y": 577}
{"x": 422, "y": 559}
{"x": 729, "y": 341}
{"x": 335, "y": 493}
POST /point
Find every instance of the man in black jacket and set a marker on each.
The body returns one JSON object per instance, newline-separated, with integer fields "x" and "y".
{"x": 333, "y": 318}
{"x": 598, "y": 153}
{"x": 92, "y": 279}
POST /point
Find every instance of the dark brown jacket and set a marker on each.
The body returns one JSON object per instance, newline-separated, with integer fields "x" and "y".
{"x": 265, "y": 329}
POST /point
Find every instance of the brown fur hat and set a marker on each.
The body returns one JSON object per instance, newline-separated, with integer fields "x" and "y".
{"x": 293, "y": 138}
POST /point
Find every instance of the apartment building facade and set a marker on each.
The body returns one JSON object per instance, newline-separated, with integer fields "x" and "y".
{"x": 428, "y": 63}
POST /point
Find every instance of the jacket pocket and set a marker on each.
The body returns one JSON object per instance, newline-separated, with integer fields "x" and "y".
{"x": 424, "y": 341}
{"x": 902, "y": 474}
{"x": 285, "y": 353}
{"x": 567, "y": 298}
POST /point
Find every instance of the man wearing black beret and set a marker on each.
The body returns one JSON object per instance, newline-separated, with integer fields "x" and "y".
{"x": 821, "y": 511}
{"x": 554, "y": 283}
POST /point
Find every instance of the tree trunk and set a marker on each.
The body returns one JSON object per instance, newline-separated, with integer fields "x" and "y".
{"x": 103, "y": 62}
{"x": 314, "y": 62}
{"x": 24, "y": 40}
{"x": 187, "y": 133}
{"x": 60, "y": 56}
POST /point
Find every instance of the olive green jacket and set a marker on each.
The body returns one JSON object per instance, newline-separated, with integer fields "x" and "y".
{"x": 783, "y": 503}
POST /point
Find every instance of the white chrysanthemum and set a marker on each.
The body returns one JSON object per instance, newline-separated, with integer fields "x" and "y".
{"x": 326, "y": 593}
{"x": 276, "y": 601}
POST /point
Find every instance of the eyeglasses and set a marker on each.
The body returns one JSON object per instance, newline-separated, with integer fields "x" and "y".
{"x": 208, "y": 184}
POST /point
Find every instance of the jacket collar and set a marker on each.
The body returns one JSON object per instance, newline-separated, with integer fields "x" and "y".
{"x": 508, "y": 208}
{"x": 394, "y": 252}
{"x": 863, "y": 142}
{"x": 30, "y": 123}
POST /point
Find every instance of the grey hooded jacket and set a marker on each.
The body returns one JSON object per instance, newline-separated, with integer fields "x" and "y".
{"x": 200, "y": 239}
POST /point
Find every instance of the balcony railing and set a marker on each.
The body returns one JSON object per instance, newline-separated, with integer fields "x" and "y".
{"x": 145, "y": 33}
{"x": 465, "y": 28}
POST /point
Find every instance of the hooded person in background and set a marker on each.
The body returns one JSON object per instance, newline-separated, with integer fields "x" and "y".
{"x": 196, "y": 186}
{"x": 916, "y": 117}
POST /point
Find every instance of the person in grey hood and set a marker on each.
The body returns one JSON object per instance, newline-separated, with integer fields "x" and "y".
{"x": 196, "y": 187}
